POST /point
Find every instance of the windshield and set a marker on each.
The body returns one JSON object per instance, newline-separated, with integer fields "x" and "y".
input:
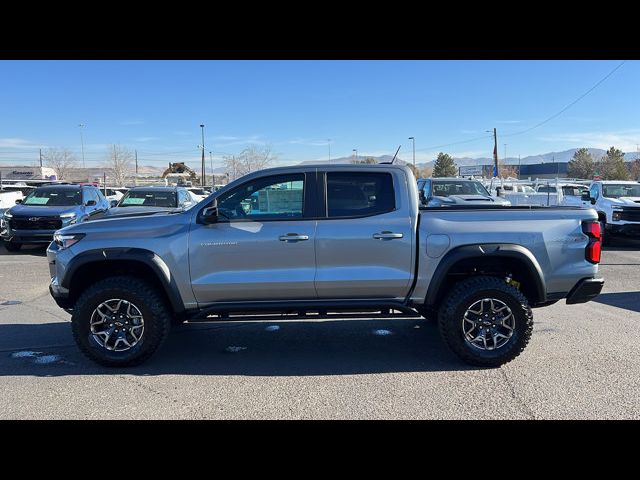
{"x": 50, "y": 197}
{"x": 573, "y": 190}
{"x": 444, "y": 188}
{"x": 616, "y": 190}
{"x": 146, "y": 198}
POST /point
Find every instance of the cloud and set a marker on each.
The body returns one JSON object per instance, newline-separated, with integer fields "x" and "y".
{"x": 132, "y": 122}
{"x": 224, "y": 138}
{"x": 17, "y": 143}
{"x": 625, "y": 140}
{"x": 232, "y": 141}
{"x": 145, "y": 139}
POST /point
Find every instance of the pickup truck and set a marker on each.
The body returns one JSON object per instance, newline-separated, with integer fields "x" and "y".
{"x": 323, "y": 238}
{"x": 618, "y": 205}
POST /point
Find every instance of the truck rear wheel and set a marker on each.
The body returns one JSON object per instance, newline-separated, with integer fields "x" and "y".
{"x": 485, "y": 321}
{"x": 120, "y": 321}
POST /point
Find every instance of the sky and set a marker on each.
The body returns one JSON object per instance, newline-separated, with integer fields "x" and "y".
{"x": 303, "y": 109}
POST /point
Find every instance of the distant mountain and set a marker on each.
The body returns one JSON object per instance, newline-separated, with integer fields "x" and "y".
{"x": 339, "y": 160}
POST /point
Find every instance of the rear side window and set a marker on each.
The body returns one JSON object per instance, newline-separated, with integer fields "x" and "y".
{"x": 353, "y": 194}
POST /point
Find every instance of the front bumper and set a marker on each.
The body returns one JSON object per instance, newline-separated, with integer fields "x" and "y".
{"x": 28, "y": 236}
{"x": 628, "y": 229}
{"x": 585, "y": 290}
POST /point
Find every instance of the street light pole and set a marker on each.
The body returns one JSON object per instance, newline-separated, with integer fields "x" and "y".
{"x": 202, "y": 181}
{"x": 82, "y": 143}
{"x": 329, "y": 144}
{"x": 212, "y": 174}
{"x": 414, "y": 151}
{"x": 355, "y": 152}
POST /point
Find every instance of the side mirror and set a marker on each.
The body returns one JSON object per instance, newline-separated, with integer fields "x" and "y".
{"x": 90, "y": 203}
{"x": 585, "y": 197}
{"x": 18, "y": 200}
{"x": 593, "y": 201}
{"x": 210, "y": 214}
{"x": 113, "y": 203}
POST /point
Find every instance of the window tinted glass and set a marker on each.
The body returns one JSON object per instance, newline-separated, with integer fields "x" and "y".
{"x": 54, "y": 197}
{"x": 547, "y": 189}
{"x": 444, "y": 188}
{"x": 276, "y": 197}
{"x": 149, "y": 198}
{"x": 357, "y": 193}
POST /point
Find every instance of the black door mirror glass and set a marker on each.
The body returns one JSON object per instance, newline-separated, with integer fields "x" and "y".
{"x": 585, "y": 197}
{"x": 113, "y": 203}
{"x": 210, "y": 214}
{"x": 19, "y": 200}
{"x": 593, "y": 201}
{"x": 90, "y": 203}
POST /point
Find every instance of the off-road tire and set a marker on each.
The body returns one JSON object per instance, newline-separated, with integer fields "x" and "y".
{"x": 462, "y": 296}
{"x": 156, "y": 313}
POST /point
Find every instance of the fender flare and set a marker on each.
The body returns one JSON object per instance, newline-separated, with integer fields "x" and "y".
{"x": 491, "y": 250}
{"x": 149, "y": 258}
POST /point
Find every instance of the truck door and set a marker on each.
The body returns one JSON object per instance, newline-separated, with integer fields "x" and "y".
{"x": 262, "y": 247}
{"x": 364, "y": 243}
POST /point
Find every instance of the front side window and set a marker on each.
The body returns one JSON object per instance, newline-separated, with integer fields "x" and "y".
{"x": 279, "y": 197}
{"x": 353, "y": 194}
{"x": 593, "y": 192}
{"x": 54, "y": 197}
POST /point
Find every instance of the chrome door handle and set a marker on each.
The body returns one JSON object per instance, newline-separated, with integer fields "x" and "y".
{"x": 293, "y": 237}
{"x": 386, "y": 235}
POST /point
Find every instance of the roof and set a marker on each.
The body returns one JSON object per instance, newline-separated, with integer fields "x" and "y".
{"x": 451, "y": 179}
{"x": 617, "y": 182}
{"x": 63, "y": 186}
{"x": 157, "y": 188}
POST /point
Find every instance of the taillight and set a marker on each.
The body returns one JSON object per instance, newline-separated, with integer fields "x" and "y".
{"x": 593, "y": 250}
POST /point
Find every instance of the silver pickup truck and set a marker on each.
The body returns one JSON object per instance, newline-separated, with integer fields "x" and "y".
{"x": 319, "y": 239}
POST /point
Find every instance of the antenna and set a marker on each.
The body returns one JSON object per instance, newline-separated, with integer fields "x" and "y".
{"x": 394, "y": 157}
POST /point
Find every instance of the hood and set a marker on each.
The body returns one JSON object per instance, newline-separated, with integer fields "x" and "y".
{"x": 41, "y": 211}
{"x": 630, "y": 201}
{"x": 472, "y": 200}
{"x": 137, "y": 211}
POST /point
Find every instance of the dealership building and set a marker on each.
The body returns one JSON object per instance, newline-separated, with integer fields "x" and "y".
{"x": 27, "y": 173}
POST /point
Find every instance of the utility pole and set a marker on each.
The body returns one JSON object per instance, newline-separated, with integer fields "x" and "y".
{"x": 40, "y": 158}
{"x": 213, "y": 175}
{"x": 82, "y": 143}
{"x": 329, "y": 144}
{"x": 414, "y": 151}
{"x": 136, "y": 162}
{"x": 202, "y": 182}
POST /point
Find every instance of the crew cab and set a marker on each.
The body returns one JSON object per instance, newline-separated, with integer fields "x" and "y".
{"x": 618, "y": 205}
{"x": 323, "y": 238}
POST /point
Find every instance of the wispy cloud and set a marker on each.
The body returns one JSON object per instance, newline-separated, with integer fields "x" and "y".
{"x": 625, "y": 140}
{"x": 225, "y": 138}
{"x": 509, "y": 122}
{"x": 145, "y": 139}
{"x": 17, "y": 143}
{"x": 307, "y": 142}
{"x": 233, "y": 141}
{"x": 132, "y": 122}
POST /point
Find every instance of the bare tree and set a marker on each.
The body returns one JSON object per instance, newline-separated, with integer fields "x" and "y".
{"x": 61, "y": 160}
{"x": 249, "y": 160}
{"x": 120, "y": 160}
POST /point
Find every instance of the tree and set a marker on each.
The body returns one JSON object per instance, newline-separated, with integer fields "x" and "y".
{"x": 249, "y": 160}
{"x": 581, "y": 165}
{"x": 444, "y": 166}
{"x": 61, "y": 160}
{"x": 506, "y": 171}
{"x": 635, "y": 170}
{"x": 120, "y": 160}
{"x": 367, "y": 160}
{"x": 612, "y": 166}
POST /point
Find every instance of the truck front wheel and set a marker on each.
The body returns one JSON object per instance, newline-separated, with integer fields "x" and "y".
{"x": 120, "y": 321}
{"x": 485, "y": 321}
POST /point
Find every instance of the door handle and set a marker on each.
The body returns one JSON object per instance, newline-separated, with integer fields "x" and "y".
{"x": 293, "y": 237}
{"x": 387, "y": 235}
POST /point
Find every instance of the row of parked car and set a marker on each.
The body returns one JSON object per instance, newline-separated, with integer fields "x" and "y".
{"x": 34, "y": 218}
{"x": 617, "y": 202}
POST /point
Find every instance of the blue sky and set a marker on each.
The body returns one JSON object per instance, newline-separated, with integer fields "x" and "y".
{"x": 156, "y": 107}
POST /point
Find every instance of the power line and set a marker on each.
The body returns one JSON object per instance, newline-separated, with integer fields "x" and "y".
{"x": 568, "y": 106}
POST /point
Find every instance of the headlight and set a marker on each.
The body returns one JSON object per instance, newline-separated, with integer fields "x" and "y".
{"x": 65, "y": 241}
{"x": 68, "y": 218}
{"x": 616, "y": 215}
{"x": 7, "y": 215}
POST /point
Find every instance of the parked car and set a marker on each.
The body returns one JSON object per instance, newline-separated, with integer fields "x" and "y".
{"x": 113, "y": 195}
{"x": 445, "y": 192}
{"x": 338, "y": 237}
{"x": 618, "y": 205}
{"x": 198, "y": 193}
{"x": 146, "y": 200}
{"x": 46, "y": 209}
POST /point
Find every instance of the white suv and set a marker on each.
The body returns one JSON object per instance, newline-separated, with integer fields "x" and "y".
{"x": 618, "y": 205}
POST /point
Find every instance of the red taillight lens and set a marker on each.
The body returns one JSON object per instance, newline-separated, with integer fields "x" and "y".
{"x": 594, "y": 247}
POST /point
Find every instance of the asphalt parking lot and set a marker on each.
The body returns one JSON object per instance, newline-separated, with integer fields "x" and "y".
{"x": 583, "y": 363}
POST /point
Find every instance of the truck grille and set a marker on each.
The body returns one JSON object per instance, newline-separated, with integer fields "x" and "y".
{"x": 630, "y": 214}
{"x": 35, "y": 223}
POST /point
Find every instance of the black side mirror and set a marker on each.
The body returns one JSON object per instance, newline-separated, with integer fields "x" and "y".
{"x": 90, "y": 203}
{"x": 113, "y": 203}
{"x": 210, "y": 214}
{"x": 585, "y": 197}
{"x": 19, "y": 200}
{"x": 593, "y": 201}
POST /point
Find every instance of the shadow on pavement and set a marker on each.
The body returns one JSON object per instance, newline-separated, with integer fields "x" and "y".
{"x": 626, "y": 300}
{"x": 297, "y": 348}
{"x": 33, "y": 250}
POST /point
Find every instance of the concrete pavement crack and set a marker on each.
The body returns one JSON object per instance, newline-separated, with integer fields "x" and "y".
{"x": 164, "y": 395}
{"x": 517, "y": 399}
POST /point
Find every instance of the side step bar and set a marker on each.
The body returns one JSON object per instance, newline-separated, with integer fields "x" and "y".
{"x": 302, "y": 310}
